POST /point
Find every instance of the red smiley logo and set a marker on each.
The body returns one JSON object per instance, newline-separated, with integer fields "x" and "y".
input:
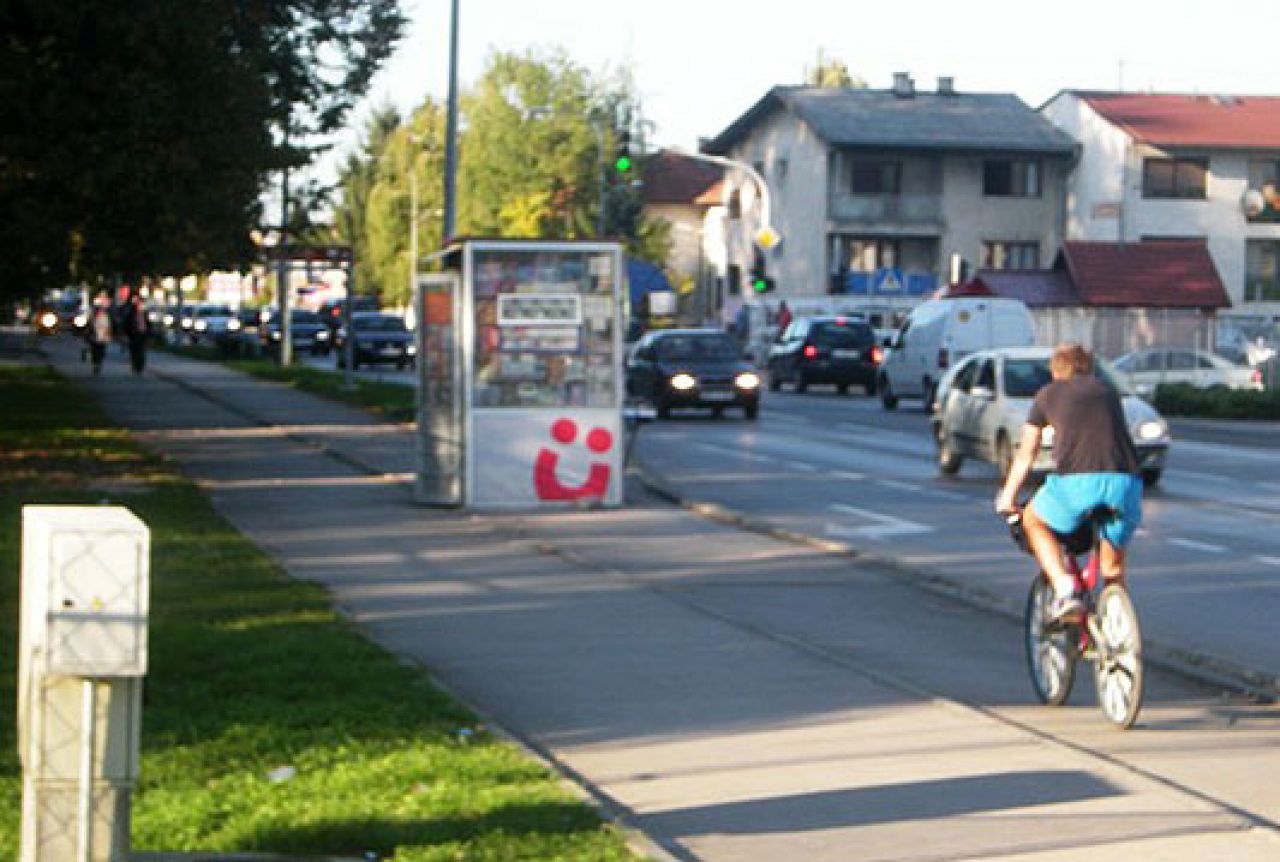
{"x": 548, "y": 485}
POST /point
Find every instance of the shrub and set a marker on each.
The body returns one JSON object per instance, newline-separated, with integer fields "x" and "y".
{"x": 1182, "y": 399}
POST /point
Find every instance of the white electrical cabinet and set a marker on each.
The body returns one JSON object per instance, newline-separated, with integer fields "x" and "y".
{"x": 85, "y": 575}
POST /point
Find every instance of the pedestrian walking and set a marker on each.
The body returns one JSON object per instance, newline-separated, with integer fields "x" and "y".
{"x": 784, "y": 317}
{"x": 97, "y": 331}
{"x": 136, "y": 331}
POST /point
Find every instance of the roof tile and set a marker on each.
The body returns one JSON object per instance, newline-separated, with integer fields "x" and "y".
{"x": 1171, "y": 120}
{"x": 1152, "y": 274}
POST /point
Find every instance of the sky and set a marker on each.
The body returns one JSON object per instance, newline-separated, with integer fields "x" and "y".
{"x": 699, "y": 64}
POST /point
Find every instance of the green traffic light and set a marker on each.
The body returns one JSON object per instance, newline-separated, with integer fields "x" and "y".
{"x": 623, "y": 164}
{"x": 759, "y": 285}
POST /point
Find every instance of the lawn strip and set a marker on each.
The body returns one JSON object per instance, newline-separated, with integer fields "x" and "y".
{"x": 271, "y": 724}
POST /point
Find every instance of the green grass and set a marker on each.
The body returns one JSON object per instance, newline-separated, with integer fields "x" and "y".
{"x": 251, "y": 671}
{"x": 393, "y": 401}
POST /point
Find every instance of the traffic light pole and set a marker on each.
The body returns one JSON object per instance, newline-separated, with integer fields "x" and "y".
{"x": 761, "y": 185}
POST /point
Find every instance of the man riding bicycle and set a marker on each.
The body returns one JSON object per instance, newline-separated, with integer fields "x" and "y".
{"x": 1096, "y": 466}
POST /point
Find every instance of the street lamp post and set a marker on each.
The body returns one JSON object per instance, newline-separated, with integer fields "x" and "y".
{"x": 451, "y": 134}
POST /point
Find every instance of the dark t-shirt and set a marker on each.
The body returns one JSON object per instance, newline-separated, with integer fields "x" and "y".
{"x": 1089, "y": 432}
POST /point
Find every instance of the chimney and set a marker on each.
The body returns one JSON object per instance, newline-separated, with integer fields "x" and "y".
{"x": 946, "y": 86}
{"x": 903, "y": 86}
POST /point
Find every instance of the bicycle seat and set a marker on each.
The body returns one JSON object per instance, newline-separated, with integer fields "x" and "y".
{"x": 1080, "y": 540}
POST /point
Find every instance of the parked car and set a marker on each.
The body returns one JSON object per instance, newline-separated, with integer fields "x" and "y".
{"x": 984, "y": 400}
{"x": 840, "y": 350}
{"x": 379, "y": 338}
{"x": 939, "y": 333}
{"x": 1147, "y": 369}
{"x": 676, "y": 368}
{"x": 307, "y": 332}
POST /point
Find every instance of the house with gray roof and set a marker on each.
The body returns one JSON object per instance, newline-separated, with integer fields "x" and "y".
{"x": 875, "y": 191}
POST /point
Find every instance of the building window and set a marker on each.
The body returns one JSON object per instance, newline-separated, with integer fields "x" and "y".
{"x": 1011, "y": 178}
{"x": 1174, "y": 178}
{"x": 1010, "y": 255}
{"x": 869, "y": 255}
{"x": 1264, "y": 179}
{"x": 876, "y": 178}
{"x": 1262, "y": 271}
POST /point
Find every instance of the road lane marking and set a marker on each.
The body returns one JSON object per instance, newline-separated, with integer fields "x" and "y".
{"x": 1270, "y": 561}
{"x": 896, "y": 485}
{"x": 802, "y": 466}
{"x": 949, "y": 495}
{"x": 1198, "y": 546}
{"x": 848, "y": 475}
{"x": 881, "y": 526}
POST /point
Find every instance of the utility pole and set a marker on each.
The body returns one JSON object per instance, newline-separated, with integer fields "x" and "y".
{"x": 282, "y": 270}
{"x": 451, "y": 134}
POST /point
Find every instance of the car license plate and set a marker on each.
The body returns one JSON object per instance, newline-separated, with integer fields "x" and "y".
{"x": 717, "y": 396}
{"x": 844, "y": 353}
{"x": 389, "y": 351}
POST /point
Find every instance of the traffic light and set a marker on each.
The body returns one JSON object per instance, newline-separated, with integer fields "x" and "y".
{"x": 622, "y": 161}
{"x": 760, "y": 281}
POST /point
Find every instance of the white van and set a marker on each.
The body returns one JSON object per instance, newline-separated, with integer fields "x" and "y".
{"x": 940, "y": 332}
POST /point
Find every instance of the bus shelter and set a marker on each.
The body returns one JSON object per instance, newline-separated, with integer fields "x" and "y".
{"x": 520, "y": 386}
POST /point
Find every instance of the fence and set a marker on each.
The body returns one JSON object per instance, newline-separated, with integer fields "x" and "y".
{"x": 1112, "y": 332}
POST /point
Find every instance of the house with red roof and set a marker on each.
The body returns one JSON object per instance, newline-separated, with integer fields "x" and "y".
{"x": 680, "y": 190}
{"x": 1161, "y": 166}
{"x": 1116, "y": 297}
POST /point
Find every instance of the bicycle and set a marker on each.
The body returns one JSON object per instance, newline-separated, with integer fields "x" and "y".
{"x": 1108, "y": 634}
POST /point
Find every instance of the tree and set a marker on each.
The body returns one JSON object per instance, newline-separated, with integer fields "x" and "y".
{"x": 136, "y": 138}
{"x": 831, "y": 73}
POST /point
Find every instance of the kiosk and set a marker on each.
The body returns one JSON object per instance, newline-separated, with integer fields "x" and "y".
{"x": 520, "y": 386}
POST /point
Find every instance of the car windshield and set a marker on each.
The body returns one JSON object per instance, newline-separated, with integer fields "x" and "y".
{"x": 213, "y": 311}
{"x": 303, "y": 317}
{"x": 697, "y": 347}
{"x": 1023, "y": 378}
{"x": 847, "y": 334}
{"x": 380, "y": 323}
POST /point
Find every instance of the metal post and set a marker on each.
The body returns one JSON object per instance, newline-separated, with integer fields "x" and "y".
{"x": 604, "y": 175}
{"x": 451, "y": 133}
{"x": 413, "y": 226}
{"x": 282, "y": 287}
{"x": 88, "y": 728}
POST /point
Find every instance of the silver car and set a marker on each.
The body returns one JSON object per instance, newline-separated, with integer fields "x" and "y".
{"x": 983, "y": 403}
{"x": 1149, "y": 368}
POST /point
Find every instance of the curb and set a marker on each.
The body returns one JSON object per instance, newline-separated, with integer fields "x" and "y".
{"x": 1198, "y": 666}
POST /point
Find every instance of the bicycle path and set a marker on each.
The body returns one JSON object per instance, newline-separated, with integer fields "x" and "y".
{"x": 645, "y": 652}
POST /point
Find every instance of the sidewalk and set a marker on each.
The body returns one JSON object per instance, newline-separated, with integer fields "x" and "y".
{"x": 644, "y": 652}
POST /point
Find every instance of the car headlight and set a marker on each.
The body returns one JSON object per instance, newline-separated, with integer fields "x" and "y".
{"x": 49, "y": 319}
{"x": 322, "y": 335}
{"x": 81, "y": 319}
{"x": 233, "y": 326}
{"x": 683, "y": 382}
{"x": 1151, "y": 430}
{"x": 275, "y": 336}
{"x": 747, "y": 380}
{"x": 412, "y": 350}
{"x": 201, "y": 325}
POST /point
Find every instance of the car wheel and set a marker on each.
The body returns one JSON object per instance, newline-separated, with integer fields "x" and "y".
{"x": 751, "y": 410}
{"x": 1004, "y": 455}
{"x": 870, "y": 386}
{"x": 842, "y": 388}
{"x": 1151, "y": 476}
{"x": 887, "y": 398}
{"x": 663, "y": 409}
{"x": 775, "y": 380}
{"x": 802, "y": 382}
{"x": 949, "y": 460}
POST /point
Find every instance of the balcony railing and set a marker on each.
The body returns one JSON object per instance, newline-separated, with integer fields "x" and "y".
{"x": 900, "y": 209}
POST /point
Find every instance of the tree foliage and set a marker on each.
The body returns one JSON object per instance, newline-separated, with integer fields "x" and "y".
{"x": 538, "y": 132}
{"x": 136, "y": 138}
{"x": 831, "y": 72}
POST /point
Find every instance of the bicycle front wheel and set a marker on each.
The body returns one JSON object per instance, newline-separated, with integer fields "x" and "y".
{"x": 1117, "y": 670}
{"x": 1051, "y": 653}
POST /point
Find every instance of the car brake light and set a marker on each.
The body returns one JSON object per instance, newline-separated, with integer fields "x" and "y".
{"x": 840, "y": 321}
{"x": 810, "y": 351}
{"x": 944, "y": 358}
{"x": 877, "y": 355}
{"x": 1257, "y": 375}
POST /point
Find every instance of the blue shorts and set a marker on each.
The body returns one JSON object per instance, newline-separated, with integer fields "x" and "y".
{"x": 1063, "y": 502}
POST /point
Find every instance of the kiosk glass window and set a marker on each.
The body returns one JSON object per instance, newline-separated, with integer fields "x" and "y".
{"x": 544, "y": 328}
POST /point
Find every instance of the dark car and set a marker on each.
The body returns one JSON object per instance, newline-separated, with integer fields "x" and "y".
{"x": 378, "y": 338}
{"x": 307, "y": 332}
{"x": 331, "y": 311}
{"x": 838, "y": 350}
{"x": 675, "y": 368}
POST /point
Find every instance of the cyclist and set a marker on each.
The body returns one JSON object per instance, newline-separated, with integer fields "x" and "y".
{"x": 1096, "y": 466}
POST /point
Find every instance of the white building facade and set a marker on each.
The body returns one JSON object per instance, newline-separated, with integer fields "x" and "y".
{"x": 1160, "y": 166}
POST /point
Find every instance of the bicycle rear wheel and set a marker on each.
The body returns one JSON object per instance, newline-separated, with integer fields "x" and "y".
{"x": 1117, "y": 670}
{"x": 1051, "y": 652}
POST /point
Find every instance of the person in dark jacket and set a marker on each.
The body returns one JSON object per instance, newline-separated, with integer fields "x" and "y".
{"x": 136, "y": 328}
